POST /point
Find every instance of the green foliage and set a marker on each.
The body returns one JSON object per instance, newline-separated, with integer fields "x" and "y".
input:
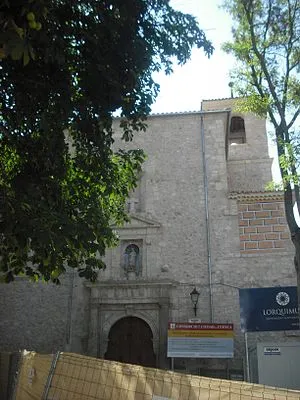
{"x": 66, "y": 67}
{"x": 274, "y": 187}
{"x": 266, "y": 46}
{"x": 253, "y": 103}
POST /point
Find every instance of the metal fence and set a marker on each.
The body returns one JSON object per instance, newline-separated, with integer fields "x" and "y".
{"x": 9, "y": 366}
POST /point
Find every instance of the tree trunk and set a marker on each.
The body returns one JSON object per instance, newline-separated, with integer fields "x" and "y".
{"x": 295, "y": 234}
{"x": 296, "y": 242}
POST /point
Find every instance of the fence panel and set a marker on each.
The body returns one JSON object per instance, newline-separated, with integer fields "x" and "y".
{"x": 77, "y": 377}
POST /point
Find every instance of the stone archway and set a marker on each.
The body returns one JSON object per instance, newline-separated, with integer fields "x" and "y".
{"x": 130, "y": 340}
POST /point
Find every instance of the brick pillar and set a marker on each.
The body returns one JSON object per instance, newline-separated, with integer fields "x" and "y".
{"x": 263, "y": 227}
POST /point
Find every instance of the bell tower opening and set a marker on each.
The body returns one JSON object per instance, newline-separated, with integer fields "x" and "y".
{"x": 237, "y": 133}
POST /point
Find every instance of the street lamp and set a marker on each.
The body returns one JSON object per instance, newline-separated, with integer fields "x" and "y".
{"x": 194, "y": 298}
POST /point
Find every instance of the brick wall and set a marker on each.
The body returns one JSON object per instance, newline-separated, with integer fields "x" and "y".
{"x": 263, "y": 227}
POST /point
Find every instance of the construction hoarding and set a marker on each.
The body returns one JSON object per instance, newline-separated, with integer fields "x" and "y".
{"x": 66, "y": 376}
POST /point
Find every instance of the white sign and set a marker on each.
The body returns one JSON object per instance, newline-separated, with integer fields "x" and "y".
{"x": 200, "y": 340}
{"x": 269, "y": 351}
{"x": 195, "y": 320}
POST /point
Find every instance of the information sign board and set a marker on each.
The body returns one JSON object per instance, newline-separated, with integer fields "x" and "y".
{"x": 269, "y": 309}
{"x": 200, "y": 340}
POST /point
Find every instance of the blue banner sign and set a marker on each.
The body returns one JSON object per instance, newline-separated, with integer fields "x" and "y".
{"x": 269, "y": 309}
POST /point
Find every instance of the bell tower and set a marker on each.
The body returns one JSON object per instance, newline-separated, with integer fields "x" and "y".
{"x": 246, "y": 146}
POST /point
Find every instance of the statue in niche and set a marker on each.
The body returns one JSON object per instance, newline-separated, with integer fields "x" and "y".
{"x": 132, "y": 259}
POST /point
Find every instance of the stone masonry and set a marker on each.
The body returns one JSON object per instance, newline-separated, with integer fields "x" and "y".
{"x": 200, "y": 217}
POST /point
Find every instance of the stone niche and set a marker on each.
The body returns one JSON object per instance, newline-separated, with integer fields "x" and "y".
{"x": 112, "y": 301}
{"x": 132, "y": 258}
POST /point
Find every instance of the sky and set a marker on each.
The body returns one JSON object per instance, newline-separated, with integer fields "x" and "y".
{"x": 202, "y": 77}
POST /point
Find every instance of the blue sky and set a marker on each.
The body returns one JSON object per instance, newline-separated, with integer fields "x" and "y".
{"x": 201, "y": 78}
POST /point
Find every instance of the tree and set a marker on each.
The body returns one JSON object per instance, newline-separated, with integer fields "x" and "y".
{"x": 66, "y": 67}
{"x": 267, "y": 46}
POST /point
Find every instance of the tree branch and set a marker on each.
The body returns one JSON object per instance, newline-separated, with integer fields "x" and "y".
{"x": 288, "y": 53}
{"x": 262, "y": 94}
{"x": 263, "y": 64}
{"x": 295, "y": 116}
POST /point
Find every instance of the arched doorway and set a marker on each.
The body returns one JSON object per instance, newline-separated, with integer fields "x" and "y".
{"x": 130, "y": 340}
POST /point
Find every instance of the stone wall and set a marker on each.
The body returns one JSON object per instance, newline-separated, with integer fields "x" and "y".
{"x": 34, "y": 316}
{"x": 218, "y": 104}
{"x": 173, "y": 196}
{"x": 173, "y": 222}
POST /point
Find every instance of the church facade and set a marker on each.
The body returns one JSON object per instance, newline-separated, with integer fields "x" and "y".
{"x": 199, "y": 218}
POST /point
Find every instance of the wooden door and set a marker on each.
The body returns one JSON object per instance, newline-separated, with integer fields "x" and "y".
{"x": 131, "y": 341}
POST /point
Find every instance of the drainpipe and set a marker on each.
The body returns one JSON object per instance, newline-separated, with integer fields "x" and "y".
{"x": 207, "y": 220}
{"x": 69, "y": 312}
{"x": 207, "y": 225}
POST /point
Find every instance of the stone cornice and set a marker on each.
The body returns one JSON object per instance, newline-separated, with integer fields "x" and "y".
{"x": 141, "y": 223}
{"x": 243, "y": 197}
{"x": 133, "y": 283}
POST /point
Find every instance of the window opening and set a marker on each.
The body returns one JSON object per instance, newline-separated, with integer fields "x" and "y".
{"x": 237, "y": 134}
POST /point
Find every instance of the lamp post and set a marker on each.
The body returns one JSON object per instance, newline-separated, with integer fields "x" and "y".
{"x": 194, "y": 298}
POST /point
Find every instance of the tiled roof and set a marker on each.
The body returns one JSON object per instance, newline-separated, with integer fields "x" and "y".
{"x": 219, "y": 110}
{"x": 175, "y": 113}
{"x": 222, "y": 98}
